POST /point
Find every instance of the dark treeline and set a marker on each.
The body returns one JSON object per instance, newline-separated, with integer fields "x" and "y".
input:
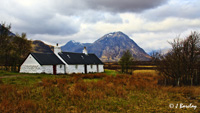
{"x": 13, "y": 48}
{"x": 180, "y": 66}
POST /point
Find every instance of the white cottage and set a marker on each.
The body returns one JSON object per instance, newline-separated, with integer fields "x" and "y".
{"x": 42, "y": 63}
{"x": 62, "y": 63}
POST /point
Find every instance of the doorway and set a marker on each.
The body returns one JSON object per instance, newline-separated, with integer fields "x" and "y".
{"x": 54, "y": 69}
{"x": 97, "y": 68}
{"x": 85, "y": 68}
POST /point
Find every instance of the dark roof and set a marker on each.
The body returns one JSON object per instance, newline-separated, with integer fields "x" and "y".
{"x": 80, "y": 58}
{"x": 47, "y": 58}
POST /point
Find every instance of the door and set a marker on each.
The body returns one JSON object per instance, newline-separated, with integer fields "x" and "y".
{"x": 54, "y": 69}
{"x": 97, "y": 68}
{"x": 85, "y": 69}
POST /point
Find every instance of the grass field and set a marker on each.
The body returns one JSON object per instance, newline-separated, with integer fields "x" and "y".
{"x": 100, "y": 92}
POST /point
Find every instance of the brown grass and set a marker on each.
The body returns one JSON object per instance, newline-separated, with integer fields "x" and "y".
{"x": 120, "y": 93}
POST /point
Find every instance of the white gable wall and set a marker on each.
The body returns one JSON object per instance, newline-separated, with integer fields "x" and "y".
{"x": 30, "y": 65}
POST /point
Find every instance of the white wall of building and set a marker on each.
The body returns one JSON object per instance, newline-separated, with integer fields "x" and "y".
{"x": 60, "y": 69}
{"x": 75, "y": 69}
{"x": 101, "y": 68}
{"x": 91, "y": 68}
{"x": 30, "y": 65}
{"x": 47, "y": 69}
{"x": 81, "y": 68}
{"x": 31, "y": 69}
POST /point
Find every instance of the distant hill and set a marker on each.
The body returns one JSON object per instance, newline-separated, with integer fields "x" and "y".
{"x": 110, "y": 47}
{"x": 40, "y": 47}
{"x": 73, "y": 46}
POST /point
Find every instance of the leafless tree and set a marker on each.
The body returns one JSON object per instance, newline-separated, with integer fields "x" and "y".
{"x": 179, "y": 66}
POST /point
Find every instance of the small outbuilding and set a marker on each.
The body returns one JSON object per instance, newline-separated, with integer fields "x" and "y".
{"x": 62, "y": 63}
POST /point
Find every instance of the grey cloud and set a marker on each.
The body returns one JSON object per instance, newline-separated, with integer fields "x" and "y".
{"x": 185, "y": 9}
{"x": 71, "y": 7}
{"x": 54, "y": 26}
{"x": 39, "y": 19}
{"x": 124, "y": 5}
{"x": 40, "y": 16}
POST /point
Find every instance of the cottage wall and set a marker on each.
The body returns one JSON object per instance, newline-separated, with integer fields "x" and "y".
{"x": 60, "y": 69}
{"x": 91, "y": 68}
{"x": 101, "y": 68}
{"x": 30, "y": 65}
{"x": 47, "y": 69}
{"x": 75, "y": 69}
{"x": 30, "y": 69}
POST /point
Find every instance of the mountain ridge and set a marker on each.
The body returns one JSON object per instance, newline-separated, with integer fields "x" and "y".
{"x": 110, "y": 47}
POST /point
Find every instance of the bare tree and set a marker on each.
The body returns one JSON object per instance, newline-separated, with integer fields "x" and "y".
{"x": 180, "y": 63}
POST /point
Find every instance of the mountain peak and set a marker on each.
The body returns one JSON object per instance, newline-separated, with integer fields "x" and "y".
{"x": 73, "y": 41}
{"x": 110, "y": 47}
{"x": 115, "y": 33}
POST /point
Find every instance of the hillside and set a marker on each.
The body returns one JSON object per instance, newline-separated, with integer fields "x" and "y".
{"x": 40, "y": 47}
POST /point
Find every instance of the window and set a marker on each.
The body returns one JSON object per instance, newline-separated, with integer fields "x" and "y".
{"x": 76, "y": 66}
{"x": 91, "y": 66}
{"x": 68, "y": 56}
{"x": 60, "y": 66}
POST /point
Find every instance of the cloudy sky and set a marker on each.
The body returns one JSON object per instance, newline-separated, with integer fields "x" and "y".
{"x": 150, "y": 23}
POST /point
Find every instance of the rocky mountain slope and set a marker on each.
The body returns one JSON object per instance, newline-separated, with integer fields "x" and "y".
{"x": 110, "y": 47}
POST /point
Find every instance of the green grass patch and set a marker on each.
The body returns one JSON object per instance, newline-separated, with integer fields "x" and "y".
{"x": 111, "y": 72}
{"x": 7, "y": 73}
{"x": 29, "y": 79}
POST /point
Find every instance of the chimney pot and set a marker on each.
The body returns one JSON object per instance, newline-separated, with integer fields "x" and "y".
{"x": 57, "y": 49}
{"x": 85, "y": 51}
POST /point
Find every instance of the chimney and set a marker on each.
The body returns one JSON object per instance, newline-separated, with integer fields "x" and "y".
{"x": 85, "y": 51}
{"x": 57, "y": 49}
